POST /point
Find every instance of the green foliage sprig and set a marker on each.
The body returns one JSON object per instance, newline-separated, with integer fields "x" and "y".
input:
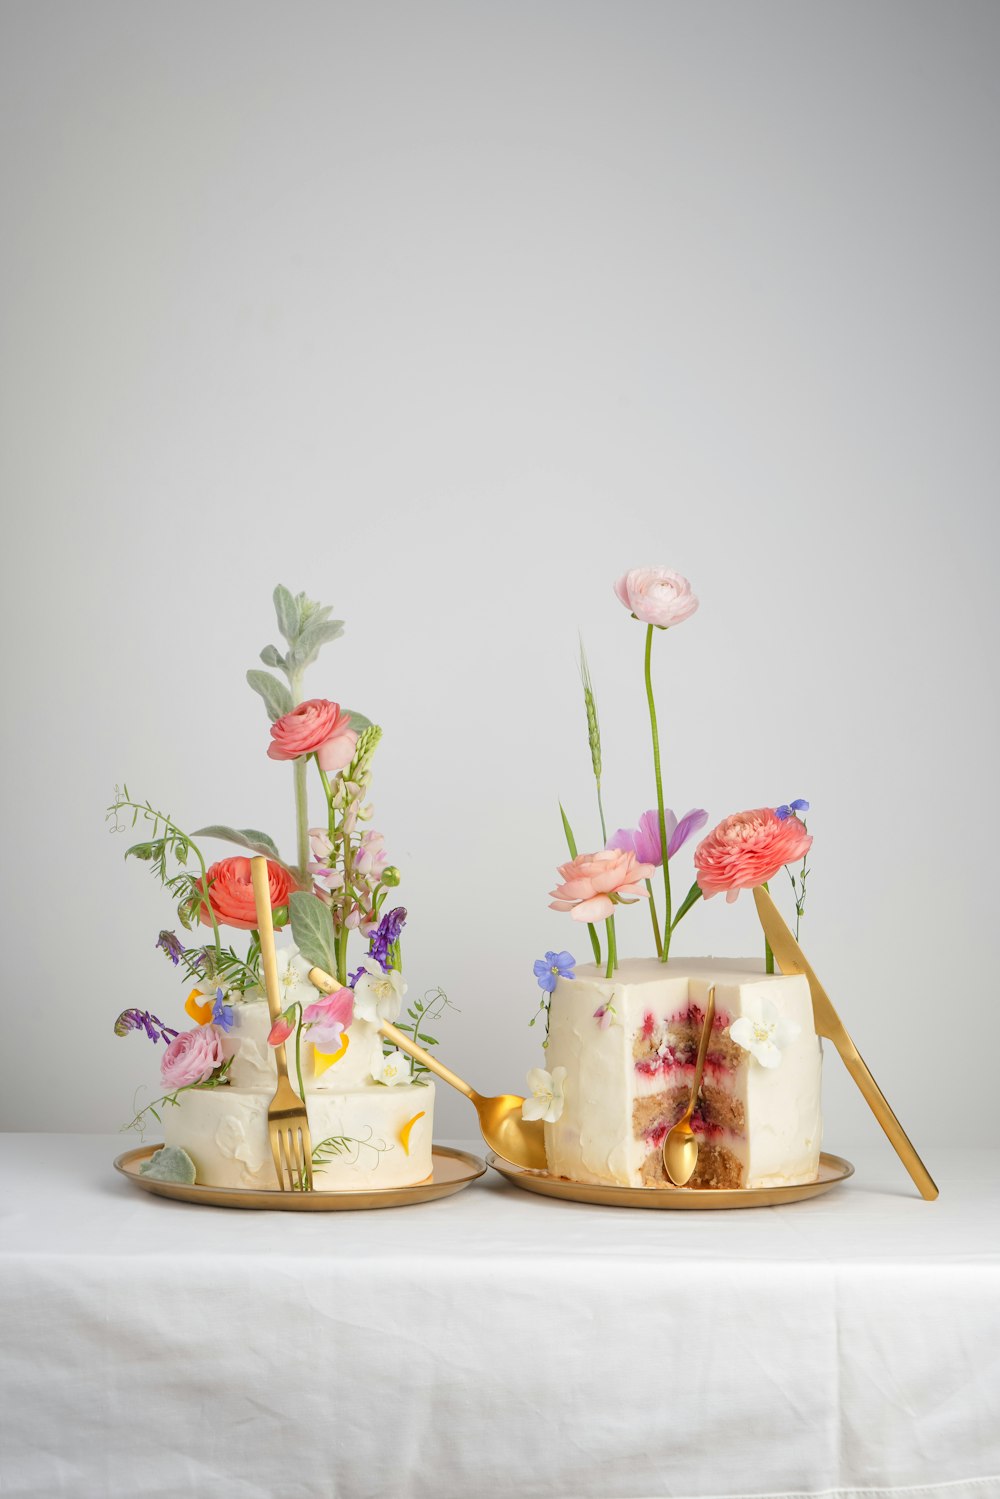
{"x": 172, "y": 842}
{"x": 335, "y": 1146}
{"x": 138, "y": 1123}
{"x": 421, "y": 1013}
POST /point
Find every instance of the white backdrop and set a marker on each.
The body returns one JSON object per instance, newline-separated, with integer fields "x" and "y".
{"x": 447, "y": 314}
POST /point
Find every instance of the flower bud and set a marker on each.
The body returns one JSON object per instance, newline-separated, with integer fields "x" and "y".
{"x": 391, "y": 876}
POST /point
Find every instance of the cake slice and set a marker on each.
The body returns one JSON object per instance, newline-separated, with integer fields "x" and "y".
{"x": 628, "y": 1045}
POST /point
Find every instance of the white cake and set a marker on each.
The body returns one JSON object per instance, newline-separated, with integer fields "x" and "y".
{"x": 628, "y": 1045}
{"x": 382, "y": 1134}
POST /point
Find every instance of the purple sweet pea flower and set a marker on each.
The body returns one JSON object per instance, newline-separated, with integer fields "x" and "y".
{"x": 551, "y": 968}
{"x": 644, "y": 841}
{"x": 142, "y": 1020}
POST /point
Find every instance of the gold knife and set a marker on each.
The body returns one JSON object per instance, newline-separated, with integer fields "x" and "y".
{"x": 828, "y": 1023}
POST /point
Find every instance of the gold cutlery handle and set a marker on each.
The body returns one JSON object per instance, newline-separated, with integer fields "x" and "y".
{"x": 268, "y": 956}
{"x": 879, "y": 1106}
{"x": 699, "y": 1066}
{"x": 324, "y": 981}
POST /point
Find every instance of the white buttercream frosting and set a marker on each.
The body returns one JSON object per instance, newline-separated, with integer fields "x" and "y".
{"x": 595, "y": 1138}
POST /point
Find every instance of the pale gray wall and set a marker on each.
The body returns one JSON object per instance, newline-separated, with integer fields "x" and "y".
{"x": 447, "y": 313}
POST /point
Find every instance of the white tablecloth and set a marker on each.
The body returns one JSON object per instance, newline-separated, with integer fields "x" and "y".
{"x": 495, "y": 1343}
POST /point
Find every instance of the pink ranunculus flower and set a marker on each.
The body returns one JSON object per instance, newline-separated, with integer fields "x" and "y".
{"x": 656, "y": 596}
{"x": 192, "y": 1057}
{"x": 325, "y": 1021}
{"x": 591, "y": 883}
{"x": 746, "y": 850}
{"x": 316, "y": 726}
{"x": 644, "y": 841}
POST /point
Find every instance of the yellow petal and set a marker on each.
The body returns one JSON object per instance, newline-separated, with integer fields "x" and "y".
{"x": 200, "y": 1014}
{"x": 322, "y": 1060}
{"x": 404, "y": 1134}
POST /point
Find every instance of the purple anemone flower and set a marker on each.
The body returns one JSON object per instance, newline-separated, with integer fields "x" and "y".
{"x": 644, "y": 841}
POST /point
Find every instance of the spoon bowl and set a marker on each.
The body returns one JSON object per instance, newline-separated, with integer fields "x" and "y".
{"x": 680, "y": 1148}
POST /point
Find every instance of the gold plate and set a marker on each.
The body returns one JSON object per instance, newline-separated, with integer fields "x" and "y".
{"x": 832, "y": 1169}
{"x": 453, "y": 1170}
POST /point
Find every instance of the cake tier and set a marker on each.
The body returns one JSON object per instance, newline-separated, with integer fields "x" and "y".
{"x": 629, "y": 1073}
{"x": 370, "y": 1137}
{"x": 253, "y": 1060}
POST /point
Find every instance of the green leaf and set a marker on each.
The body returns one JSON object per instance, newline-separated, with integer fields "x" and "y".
{"x": 358, "y": 720}
{"x": 251, "y": 838}
{"x": 289, "y": 612}
{"x": 277, "y": 698}
{"x": 315, "y": 633}
{"x": 692, "y": 897}
{"x": 271, "y": 656}
{"x": 312, "y": 930}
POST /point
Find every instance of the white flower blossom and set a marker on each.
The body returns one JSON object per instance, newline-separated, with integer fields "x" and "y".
{"x": 548, "y": 1098}
{"x": 378, "y": 996}
{"x": 293, "y": 978}
{"x": 765, "y": 1033}
{"x": 392, "y": 1069}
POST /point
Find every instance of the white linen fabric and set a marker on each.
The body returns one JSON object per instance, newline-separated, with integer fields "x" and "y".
{"x": 496, "y": 1343}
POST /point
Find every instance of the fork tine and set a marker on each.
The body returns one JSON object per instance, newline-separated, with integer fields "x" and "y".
{"x": 273, "y": 1136}
{"x": 286, "y": 1165}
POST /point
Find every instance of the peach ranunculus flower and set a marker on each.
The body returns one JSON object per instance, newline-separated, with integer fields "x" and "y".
{"x": 593, "y": 884}
{"x": 746, "y": 850}
{"x": 230, "y": 892}
{"x": 657, "y": 596}
{"x": 316, "y": 726}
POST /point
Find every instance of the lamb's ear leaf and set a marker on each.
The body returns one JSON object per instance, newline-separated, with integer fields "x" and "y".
{"x": 312, "y": 930}
{"x": 271, "y": 656}
{"x": 277, "y": 698}
{"x": 314, "y": 634}
{"x": 251, "y": 838}
{"x": 289, "y": 612}
{"x": 358, "y": 720}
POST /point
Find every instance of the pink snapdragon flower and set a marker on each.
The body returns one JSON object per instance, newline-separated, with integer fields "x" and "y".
{"x": 644, "y": 841}
{"x": 191, "y": 1057}
{"x": 747, "y": 849}
{"x": 327, "y": 1019}
{"x": 593, "y": 884}
{"x": 656, "y": 596}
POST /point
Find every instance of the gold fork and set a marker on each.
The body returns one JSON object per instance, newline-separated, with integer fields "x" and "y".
{"x": 287, "y": 1124}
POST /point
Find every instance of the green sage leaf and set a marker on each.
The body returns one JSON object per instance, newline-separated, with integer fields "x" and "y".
{"x": 312, "y": 930}
{"x": 277, "y": 698}
{"x": 251, "y": 838}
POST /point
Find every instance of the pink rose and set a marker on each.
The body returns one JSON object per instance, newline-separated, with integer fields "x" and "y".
{"x": 657, "y": 596}
{"x": 746, "y": 850}
{"x": 593, "y": 883}
{"x": 191, "y": 1057}
{"x": 230, "y": 892}
{"x": 328, "y": 1018}
{"x": 316, "y": 726}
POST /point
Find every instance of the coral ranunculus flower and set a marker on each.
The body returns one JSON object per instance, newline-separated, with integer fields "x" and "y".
{"x": 317, "y": 726}
{"x": 657, "y": 596}
{"x": 591, "y": 880}
{"x": 746, "y": 850}
{"x": 230, "y": 892}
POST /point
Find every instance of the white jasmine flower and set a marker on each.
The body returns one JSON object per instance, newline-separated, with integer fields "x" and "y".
{"x": 377, "y": 995}
{"x": 764, "y": 1034}
{"x": 547, "y": 1099}
{"x": 293, "y": 978}
{"x": 393, "y": 1069}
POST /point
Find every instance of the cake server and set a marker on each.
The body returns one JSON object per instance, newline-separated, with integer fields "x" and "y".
{"x": 829, "y": 1024}
{"x": 287, "y": 1124}
{"x": 680, "y": 1148}
{"x": 520, "y": 1141}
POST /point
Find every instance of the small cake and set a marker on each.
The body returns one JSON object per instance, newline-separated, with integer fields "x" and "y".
{"x": 628, "y": 1047}
{"x": 364, "y": 1133}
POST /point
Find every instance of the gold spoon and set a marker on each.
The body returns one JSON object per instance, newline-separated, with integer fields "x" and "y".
{"x": 520, "y": 1141}
{"x": 680, "y": 1148}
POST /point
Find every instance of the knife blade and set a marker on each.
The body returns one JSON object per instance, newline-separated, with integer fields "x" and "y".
{"x": 791, "y": 959}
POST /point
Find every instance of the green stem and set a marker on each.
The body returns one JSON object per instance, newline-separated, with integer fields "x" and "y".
{"x": 653, "y": 918}
{"x": 301, "y": 795}
{"x": 298, "y": 1050}
{"x": 600, "y": 808}
{"x": 612, "y": 948}
{"x": 768, "y": 954}
{"x": 659, "y": 796}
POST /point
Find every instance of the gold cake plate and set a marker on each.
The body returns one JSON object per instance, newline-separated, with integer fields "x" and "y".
{"x": 453, "y": 1170}
{"x": 833, "y": 1169}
